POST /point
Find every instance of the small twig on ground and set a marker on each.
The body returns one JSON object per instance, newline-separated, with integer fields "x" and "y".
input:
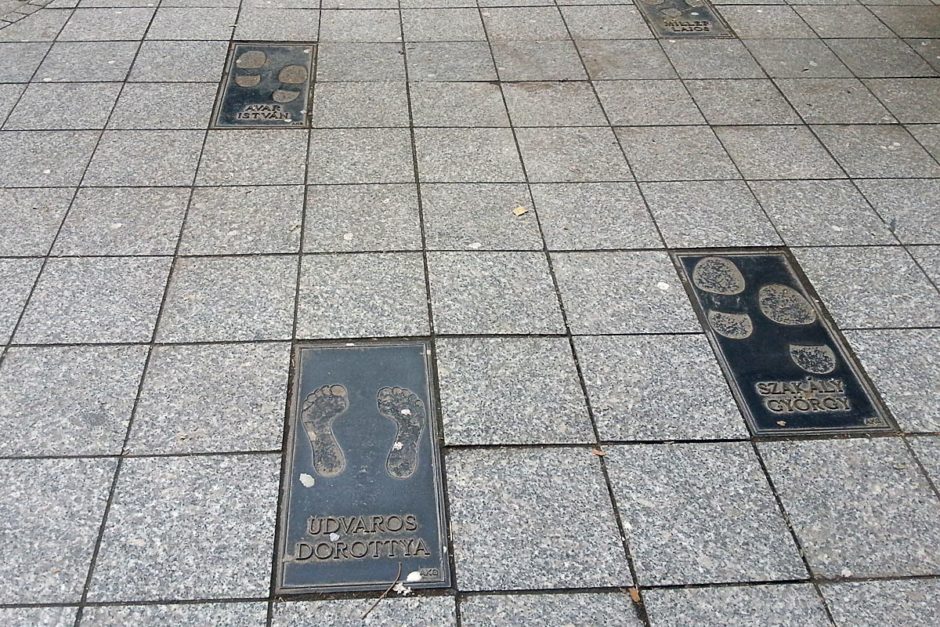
{"x": 384, "y": 594}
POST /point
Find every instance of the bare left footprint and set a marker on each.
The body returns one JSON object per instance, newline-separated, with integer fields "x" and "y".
{"x": 321, "y": 408}
{"x": 407, "y": 411}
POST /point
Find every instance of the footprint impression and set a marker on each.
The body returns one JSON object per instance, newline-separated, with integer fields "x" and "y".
{"x": 251, "y": 65}
{"x": 321, "y": 408}
{"x": 406, "y": 410}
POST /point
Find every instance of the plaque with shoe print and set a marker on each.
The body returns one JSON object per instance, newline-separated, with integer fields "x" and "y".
{"x": 683, "y": 19}
{"x": 265, "y": 86}
{"x": 361, "y": 502}
{"x": 790, "y": 370}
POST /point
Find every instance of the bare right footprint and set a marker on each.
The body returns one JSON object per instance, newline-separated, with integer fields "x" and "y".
{"x": 321, "y": 408}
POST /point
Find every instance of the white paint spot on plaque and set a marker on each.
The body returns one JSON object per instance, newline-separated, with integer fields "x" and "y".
{"x": 413, "y": 576}
{"x": 307, "y": 480}
{"x": 334, "y": 537}
{"x": 398, "y": 446}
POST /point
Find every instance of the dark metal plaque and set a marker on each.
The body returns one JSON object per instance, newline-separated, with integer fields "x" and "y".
{"x": 362, "y": 502}
{"x": 677, "y": 19}
{"x": 788, "y": 367}
{"x": 265, "y": 85}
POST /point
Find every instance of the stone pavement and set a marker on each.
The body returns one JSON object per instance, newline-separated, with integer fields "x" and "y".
{"x": 154, "y": 275}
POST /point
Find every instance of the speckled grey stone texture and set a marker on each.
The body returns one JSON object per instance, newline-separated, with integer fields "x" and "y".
{"x": 716, "y": 58}
{"x": 797, "y": 58}
{"x": 113, "y": 299}
{"x": 106, "y": 24}
{"x": 700, "y": 513}
{"x": 360, "y": 62}
{"x": 646, "y": 102}
{"x": 451, "y": 61}
{"x": 260, "y": 23}
{"x": 53, "y": 509}
{"x": 785, "y": 605}
{"x": 912, "y": 100}
{"x": 87, "y": 61}
{"x": 637, "y": 393}
{"x": 29, "y": 219}
{"x": 594, "y": 215}
{"x": 230, "y": 298}
{"x": 355, "y": 104}
{"x": 928, "y": 135}
{"x": 442, "y": 24}
{"x": 360, "y": 155}
{"x": 600, "y": 22}
{"x": 212, "y": 398}
{"x": 860, "y": 507}
{"x": 875, "y": 286}
{"x": 762, "y": 22}
{"x": 457, "y": 104}
{"x": 511, "y": 391}
{"x": 362, "y": 295}
{"x": 876, "y": 58}
{"x": 742, "y": 102}
{"x": 475, "y": 216}
{"x": 606, "y": 60}
{"x": 608, "y": 609}
{"x": 808, "y": 213}
{"x": 22, "y": 59}
{"x": 842, "y": 21}
{"x": 552, "y": 526}
{"x": 73, "y": 400}
{"x": 189, "y": 527}
{"x": 58, "y": 106}
{"x": 192, "y": 23}
{"x": 912, "y": 603}
{"x": 929, "y": 259}
{"x": 243, "y": 220}
{"x": 877, "y": 151}
{"x": 233, "y": 157}
{"x": 537, "y": 61}
{"x": 766, "y": 152}
{"x": 9, "y": 95}
{"x": 362, "y": 218}
{"x": 467, "y": 155}
{"x": 187, "y": 615}
{"x": 908, "y": 206}
{"x": 179, "y": 61}
{"x": 555, "y": 103}
{"x": 39, "y": 616}
{"x": 905, "y": 368}
{"x": 560, "y": 155}
{"x": 927, "y": 449}
{"x": 709, "y": 213}
{"x": 524, "y": 24}
{"x": 44, "y": 158}
{"x": 658, "y": 153}
{"x": 437, "y": 611}
{"x": 490, "y": 292}
{"x": 17, "y": 277}
{"x": 373, "y": 25}
{"x": 834, "y": 101}
{"x": 123, "y": 221}
{"x": 145, "y": 158}
{"x": 157, "y": 106}
{"x": 622, "y": 292}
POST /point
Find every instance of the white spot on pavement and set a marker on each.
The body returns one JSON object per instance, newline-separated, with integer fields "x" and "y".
{"x": 663, "y": 286}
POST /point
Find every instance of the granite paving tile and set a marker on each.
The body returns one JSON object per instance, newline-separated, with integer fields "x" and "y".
{"x": 40, "y": 26}
{"x": 360, "y": 155}
{"x": 911, "y": 602}
{"x": 521, "y": 60}
{"x": 875, "y": 58}
{"x": 766, "y": 152}
{"x": 179, "y": 61}
{"x": 553, "y": 104}
{"x": 928, "y": 49}
{"x": 157, "y": 106}
{"x": 55, "y": 616}
{"x": 846, "y": 20}
{"x": 96, "y": 300}
{"x": 276, "y": 24}
{"x": 108, "y": 24}
{"x": 189, "y": 527}
{"x": 44, "y": 158}
{"x": 360, "y": 62}
{"x": 789, "y": 605}
{"x": 524, "y": 24}
{"x": 457, "y": 104}
{"x": 17, "y": 277}
{"x": 716, "y": 58}
{"x": 53, "y": 507}
{"x": 363, "y": 218}
{"x": 192, "y": 23}
{"x": 58, "y": 106}
{"x": 877, "y": 151}
{"x": 834, "y": 101}
{"x": 636, "y": 393}
{"x": 911, "y": 100}
{"x": 859, "y": 507}
{"x": 605, "y": 22}
{"x": 467, "y": 155}
{"x": 700, "y": 513}
{"x": 744, "y": 101}
{"x": 87, "y": 61}
{"x": 368, "y": 25}
{"x": 647, "y": 102}
{"x": 146, "y": 158}
{"x": 928, "y": 257}
{"x": 450, "y": 61}
{"x": 632, "y": 59}
{"x": 908, "y": 21}
{"x": 797, "y": 58}
{"x": 555, "y": 523}
{"x": 442, "y": 24}
{"x": 665, "y": 153}
{"x": 613, "y": 609}
{"x": 927, "y": 451}
{"x": 765, "y": 22}
{"x": 908, "y": 206}
{"x": 511, "y": 391}
{"x": 929, "y": 137}
{"x": 426, "y": 610}
{"x": 252, "y": 614}
{"x": 30, "y": 219}
{"x": 22, "y": 59}
{"x": 568, "y": 155}
{"x": 360, "y": 104}
{"x": 232, "y": 157}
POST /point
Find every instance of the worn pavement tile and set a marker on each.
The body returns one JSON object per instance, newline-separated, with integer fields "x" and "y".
{"x": 877, "y": 151}
{"x": 58, "y": 106}
{"x": 911, "y": 100}
{"x": 614, "y": 609}
{"x": 929, "y": 137}
{"x": 157, "y": 106}
{"x": 847, "y": 20}
{"x": 179, "y": 61}
{"x": 524, "y": 24}
{"x": 860, "y": 507}
{"x": 816, "y": 213}
{"x": 877, "y": 58}
{"x": 243, "y": 220}
{"x": 521, "y": 60}
{"x": 269, "y": 23}
{"x": 904, "y": 367}
{"x": 593, "y": 216}
{"x": 113, "y": 24}
{"x": 233, "y": 157}
{"x": 145, "y": 158}
{"x": 53, "y": 508}
{"x": 636, "y": 393}
{"x": 791, "y": 605}
{"x": 929, "y": 49}
{"x": 553, "y": 103}
{"x": 360, "y": 62}
{"x": 74, "y": 400}
{"x": 605, "y": 22}
{"x": 715, "y": 58}
{"x": 123, "y": 221}
{"x": 834, "y": 101}
{"x": 362, "y": 295}
{"x": 911, "y": 602}
{"x": 212, "y": 398}
{"x": 189, "y": 527}
{"x": 467, "y": 155}
{"x": 87, "y": 61}
{"x": 927, "y": 450}
{"x": 437, "y": 611}
{"x": 555, "y": 523}
{"x": 17, "y": 277}
{"x": 360, "y": 155}
{"x": 493, "y": 293}
{"x": 709, "y": 213}
{"x": 96, "y": 300}
{"x": 700, "y": 513}
{"x": 57, "y": 616}
{"x": 872, "y": 286}
{"x": 457, "y": 104}
{"x": 622, "y": 292}
{"x": 647, "y": 102}
{"x": 192, "y": 23}
{"x": 511, "y": 391}
{"x": 348, "y": 218}
{"x": 636, "y": 59}
{"x": 252, "y": 614}
{"x": 797, "y": 58}
{"x": 44, "y": 158}
{"x": 763, "y": 22}
{"x": 668, "y": 153}
{"x": 21, "y": 60}
{"x": 475, "y": 216}
{"x": 360, "y": 104}
{"x": 908, "y": 206}
{"x": 562, "y": 155}
{"x": 40, "y": 26}
{"x": 229, "y": 298}
{"x": 442, "y": 24}
{"x": 30, "y": 219}
{"x": 749, "y": 101}
{"x": 766, "y": 152}
{"x": 910, "y": 21}
{"x": 451, "y": 61}
{"x": 368, "y": 25}
{"x": 929, "y": 259}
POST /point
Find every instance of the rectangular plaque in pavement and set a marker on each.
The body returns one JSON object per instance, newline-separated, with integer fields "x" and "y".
{"x": 679, "y": 19}
{"x": 362, "y": 501}
{"x": 265, "y": 85}
{"x": 789, "y": 369}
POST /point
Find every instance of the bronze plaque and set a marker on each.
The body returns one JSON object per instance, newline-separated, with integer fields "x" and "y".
{"x": 681, "y": 19}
